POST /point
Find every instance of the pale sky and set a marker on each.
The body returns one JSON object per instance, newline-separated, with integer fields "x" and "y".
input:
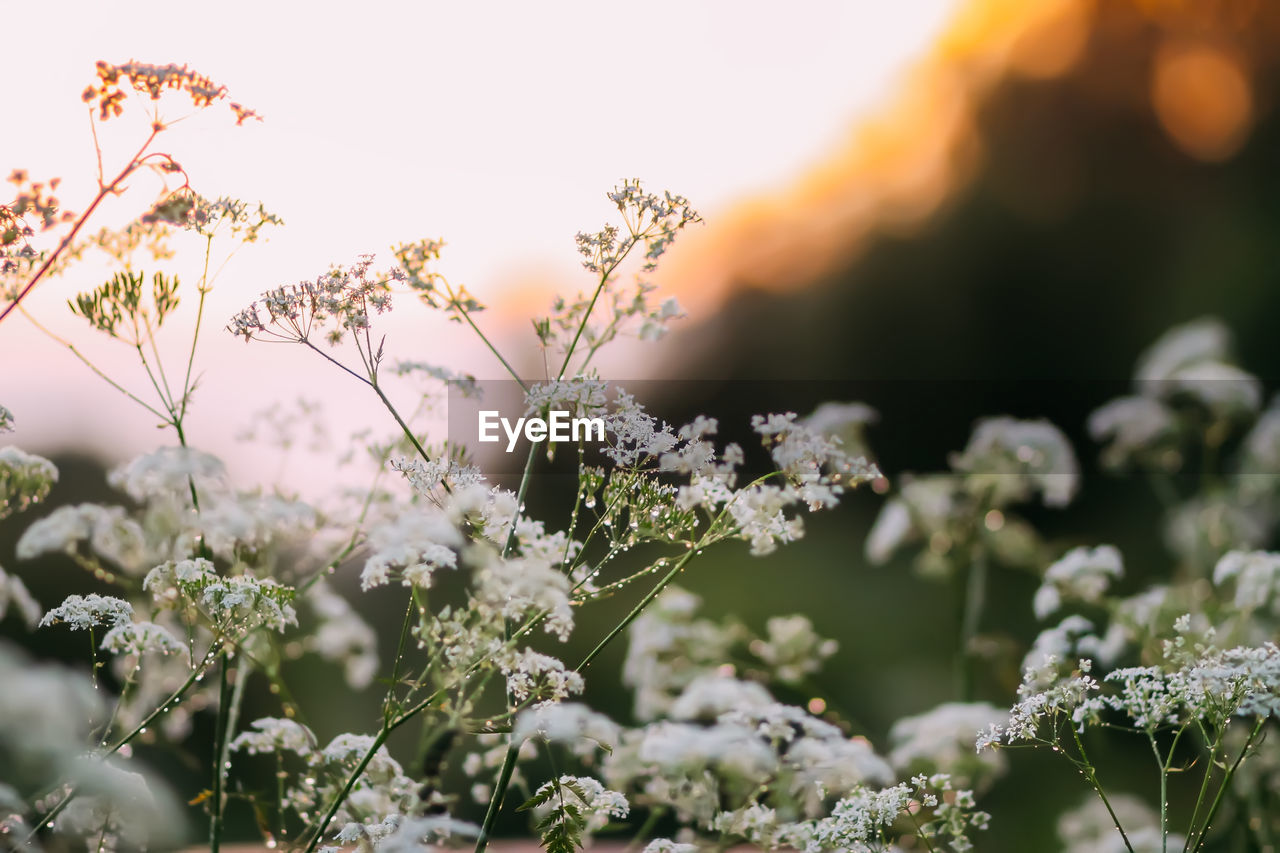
{"x": 495, "y": 126}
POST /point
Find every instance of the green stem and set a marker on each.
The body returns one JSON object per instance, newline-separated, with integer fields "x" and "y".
{"x": 219, "y": 748}
{"x": 635, "y": 611}
{"x": 1203, "y": 830}
{"x": 655, "y": 814}
{"x": 1092, "y": 776}
{"x": 1164, "y": 792}
{"x": 499, "y": 794}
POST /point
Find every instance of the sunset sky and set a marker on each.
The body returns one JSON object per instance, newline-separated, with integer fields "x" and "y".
{"x": 495, "y": 126}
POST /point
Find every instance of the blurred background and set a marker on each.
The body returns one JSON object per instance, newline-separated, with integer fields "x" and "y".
{"x": 946, "y": 209}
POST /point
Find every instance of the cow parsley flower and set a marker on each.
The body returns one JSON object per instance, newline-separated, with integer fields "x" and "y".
{"x": 941, "y": 741}
{"x": 1046, "y": 698}
{"x": 342, "y": 636}
{"x": 1011, "y": 461}
{"x": 595, "y": 804}
{"x": 1133, "y": 427}
{"x": 1255, "y": 575}
{"x": 791, "y": 648}
{"x": 709, "y": 696}
{"x": 169, "y": 472}
{"x": 136, "y": 638}
{"x": 534, "y": 675}
{"x": 82, "y": 613}
{"x": 25, "y": 479}
{"x": 664, "y": 845}
{"x": 6, "y": 420}
{"x": 108, "y": 531}
{"x": 1090, "y": 828}
{"x": 417, "y": 542}
{"x": 13, "y": 593}
{"x": 1082, "y": 574}
{"x": 568, "y": 723}
{"x": 275, "y": 734}
{"x": 347, "y": 296}
{"x": 520, "y": 588}
{"x": 1195, "y": 360}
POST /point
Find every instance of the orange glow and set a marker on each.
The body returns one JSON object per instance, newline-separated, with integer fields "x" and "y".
{"x": 1203, "y": 99}
{"x": 897, "y": 167}
{"x": 902, "y": 163}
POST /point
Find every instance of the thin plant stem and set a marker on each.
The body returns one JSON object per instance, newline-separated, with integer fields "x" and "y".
{"x": 1164, "y": 792}
{"x": 1092, "y": 776}
{"x": 103, "y": 192}
{"x": 220, "y": 734}
{"x": 1202, "y": 831}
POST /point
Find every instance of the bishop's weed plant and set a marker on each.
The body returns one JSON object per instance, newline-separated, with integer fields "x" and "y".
{"x": 209, "y": 590}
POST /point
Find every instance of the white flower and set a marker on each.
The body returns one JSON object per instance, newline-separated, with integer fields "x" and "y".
{"x": 569, "y": 723}
{"x": 1132, "y": 425}
{"x": 1205, "y": 339}
{"x": 82, "y": 613}
{"x": 941, "y": 740}
{"x": 595, "y": 803}
{"x": 25, "y": 479}
{"x": 13, "y": 592}
{"x": 522, "y": 588}
{"x": 109, "y": 533}
{"x": 418, "y": 542}
{"x": 169, "y": 472}
{"x": 1011, "y": 460}
{"x": 1256, "y": 575}
{"x": 1089, "y": 828}
{"x": 791, "y": 648}
{"x": 136, "y": 638}
{"x": 531, "y": 674}
{"x": 1082, "y": 574}
{"x": 272, "y": 734}
{"x": 343, "y": 635}
{"x": 709, "y": 696}
{"x": 663, "y": 845}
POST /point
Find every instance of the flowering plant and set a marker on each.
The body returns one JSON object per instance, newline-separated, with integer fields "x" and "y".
{"x": 207, "y": 590}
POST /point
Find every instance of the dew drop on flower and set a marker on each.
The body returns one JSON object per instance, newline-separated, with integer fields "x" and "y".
{"x": 589, "y": 503}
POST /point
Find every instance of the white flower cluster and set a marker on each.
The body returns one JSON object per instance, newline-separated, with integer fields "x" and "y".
{"x": 791, "y": 648}
{"x": 863, "y": 820}
{"x": 107, "y": 531}
{"x": 1011, "y": 461}
{"x": 595, "y": 804}
{"x": 347, "y": 296}
{"x": 941, "y": 741}
{"x": 379, "y": 797}
{"x": 652, "y": 219}
{"x": 170, "y": 472}
{"x": 82, "y": 613}
{"x": 342, "y": 635}
{"x": 137, "y": 638}
{"x": 417, "y": 542}
{"x": 1082, "y": 574}
{"x": 1255, "y": 575}
{"x": 232, "y": 602}
{"x": 1189, "y": 365}
{"x": 1006, "y": 462}
{"x": 14, "y": 594}
{"x": 1090, "y": 828}
{"x": 574, "y": 725}
{"x": 25, "y": 479}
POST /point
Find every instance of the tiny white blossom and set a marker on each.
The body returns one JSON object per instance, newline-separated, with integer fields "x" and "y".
{"x": 82, "y": 613}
